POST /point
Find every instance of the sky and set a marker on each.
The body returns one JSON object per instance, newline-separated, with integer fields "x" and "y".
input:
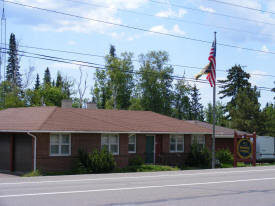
{"x": 194, "y": 19}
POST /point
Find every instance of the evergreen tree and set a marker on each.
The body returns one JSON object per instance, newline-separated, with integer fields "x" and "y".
{"x": 37, "y": 82}
{"x": 156, "y": 82}
{"x": 273, "y": 90}
{"x": 47, "y": 77}
{"x": 59, "y": 82}
{"x": 269, "y": 119}
{"x": 246, "y": 114}
{"x": 12, "y": 74}
{"x": 220, "y": 114}
{"x": 182, "y": 104}
{"x": 237, "y": 79}
{"x": 196, "y": 110}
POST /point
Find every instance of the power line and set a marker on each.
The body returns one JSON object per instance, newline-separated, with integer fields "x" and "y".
{"x": 141, "y": 29}
{"x": 172, "y": 19}
{"x": 102, "y": 67}
{"x": 212, "y": 13}
{"x": 241, "y": 6}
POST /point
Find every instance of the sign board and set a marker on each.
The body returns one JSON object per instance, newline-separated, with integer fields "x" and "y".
{"x": 244, "y": 148}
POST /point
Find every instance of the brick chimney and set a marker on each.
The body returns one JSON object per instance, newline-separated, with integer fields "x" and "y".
{"x": 66, "y": 103}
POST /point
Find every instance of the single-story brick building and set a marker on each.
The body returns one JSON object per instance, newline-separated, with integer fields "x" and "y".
{"x": 224, "y": 137}
{"x": 48, "y": 138}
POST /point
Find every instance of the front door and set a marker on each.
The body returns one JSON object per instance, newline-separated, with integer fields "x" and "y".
{"x": 150, "y": 149}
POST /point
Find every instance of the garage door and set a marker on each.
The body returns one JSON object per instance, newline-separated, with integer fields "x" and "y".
{"x": 4, "y": 152}
{"x": 22, "y": 153}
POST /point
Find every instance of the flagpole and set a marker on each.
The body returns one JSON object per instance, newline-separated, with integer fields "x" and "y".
{"x": 214, "y": 115}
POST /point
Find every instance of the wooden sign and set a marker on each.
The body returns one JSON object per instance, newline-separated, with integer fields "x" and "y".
{"x": 244, "y": 148}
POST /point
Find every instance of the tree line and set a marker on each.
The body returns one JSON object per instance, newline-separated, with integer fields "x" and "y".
{"x": 152, "y": 88}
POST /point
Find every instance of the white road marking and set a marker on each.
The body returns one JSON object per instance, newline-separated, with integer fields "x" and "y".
{"x": 133, "y": 188}
{"x": 135, "y": 177}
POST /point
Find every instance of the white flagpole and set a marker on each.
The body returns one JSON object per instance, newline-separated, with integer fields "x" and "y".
{"x": 214, "y": 112}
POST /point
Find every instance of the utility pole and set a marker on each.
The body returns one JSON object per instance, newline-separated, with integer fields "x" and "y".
{"x": 3, "y": 45}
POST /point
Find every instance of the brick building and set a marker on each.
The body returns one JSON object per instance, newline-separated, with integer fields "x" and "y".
{"x": 48, "y": 138}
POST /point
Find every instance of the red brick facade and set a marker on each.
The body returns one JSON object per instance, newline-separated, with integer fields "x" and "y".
{"x": 89, "y": 142}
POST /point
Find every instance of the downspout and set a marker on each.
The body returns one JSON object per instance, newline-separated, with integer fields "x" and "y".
{"x": 34, "y": 150}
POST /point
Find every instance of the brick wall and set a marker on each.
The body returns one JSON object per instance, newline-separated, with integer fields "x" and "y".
{"x": 225, "y": 143}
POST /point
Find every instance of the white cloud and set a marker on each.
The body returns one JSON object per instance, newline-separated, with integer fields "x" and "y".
{"x": 160, "y": 28}
{"x": 59, "y": 23}
{"x": 207, "y": 9}
{"x": 264, "y": 48}
{"x": 171, "y": 13}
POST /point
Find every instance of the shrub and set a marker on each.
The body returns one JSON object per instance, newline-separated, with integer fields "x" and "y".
{"x": 96, "y": 162}
{"x": 33, "y": 174}
{"x": 136, "y": 161}
{"x": 224, "y": 156}
{"x": 199, "y": 157}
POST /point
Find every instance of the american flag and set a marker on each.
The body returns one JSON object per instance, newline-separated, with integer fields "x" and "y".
{"x": 212, "y": 58}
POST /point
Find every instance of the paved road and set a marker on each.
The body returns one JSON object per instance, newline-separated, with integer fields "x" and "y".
{"x": 241, "y": 186}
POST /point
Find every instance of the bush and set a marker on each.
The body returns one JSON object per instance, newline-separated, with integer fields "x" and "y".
{"x": 33, "y": 174}
{"x": 224, "y": 156}
{"x": 136, "y": 161}
{"x": 96, "y": 162}
{"x": 199, "y": 157}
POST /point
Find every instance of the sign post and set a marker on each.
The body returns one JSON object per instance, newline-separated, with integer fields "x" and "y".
{"x": 244, "y": 148}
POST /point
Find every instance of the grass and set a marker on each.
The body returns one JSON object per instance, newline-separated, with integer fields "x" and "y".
{"x": 33, "y": 174}
{"x": 147, "y": 168}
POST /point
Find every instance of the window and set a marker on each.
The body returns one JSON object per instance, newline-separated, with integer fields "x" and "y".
{"x": 199, "y": 139}
{"x": 176, "y": 143}
{"x": 110, "y": 142}
{"x": 60, "y": 144}
{"x": 132, "y": 143}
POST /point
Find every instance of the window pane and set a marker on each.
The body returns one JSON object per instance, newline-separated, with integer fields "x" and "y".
{"x": 54, "y": 149}
{"x": 114, "y": 149}
{"x": 201, "y": 140}
{"x": 65, "y": 149}
{"x": 54, "y": 139}
{"x": 104, "y": 140}
{"x": 65, "y": 139}
{"x": 131, "y": 148}
{"x": 172, "y": 139}
{"x": 113, "y": 139}
{"x": 179, "y": 140}
{"x": 172, "y": 147}
{"x": 132, "y": 139}
{"x": 179, "y": 147}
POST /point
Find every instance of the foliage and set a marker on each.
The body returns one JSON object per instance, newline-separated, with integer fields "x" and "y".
{"x": 224, "y": 156}
{"x": 37, "y": 82}
{"x": 96, "y": 162}
{"x": 12, "y": 73}
{"x": 181, "y": 103}
{"x": 198, "y": 157}
{"x": 220, "y": 114}
{"x": 136, "y": 161}
{"x": 156, "y": 82}
{"x": 196, "y": 110}
{"x": 47, "y": 77}
{"x": 33, "y": 174}
{"x": 269, "y": 119}
{"x": 246, "y": 114}
{"x": 147, "y": 168}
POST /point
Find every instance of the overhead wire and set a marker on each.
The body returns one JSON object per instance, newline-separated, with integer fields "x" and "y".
{"x": 142, "y": 29}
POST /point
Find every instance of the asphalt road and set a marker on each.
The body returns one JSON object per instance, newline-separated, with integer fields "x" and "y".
{"x": 219, "y": 187}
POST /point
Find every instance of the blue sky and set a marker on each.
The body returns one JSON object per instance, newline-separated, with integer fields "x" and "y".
{"x": 47, "y": 30}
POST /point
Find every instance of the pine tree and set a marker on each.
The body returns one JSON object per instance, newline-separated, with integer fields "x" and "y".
{"x": 196, "y": 110}
{"x": 47, "y": 77}
{"x": 12, "y": 74}
{"x": 59, "y": 82}
{"x": 237, "y": 79}
{"x": 37, "y": 82}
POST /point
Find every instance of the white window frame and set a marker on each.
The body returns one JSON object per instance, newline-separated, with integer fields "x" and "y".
{"x": 135, "y": 143}
{"x": 60, "y": 144}
{"x": 195, "y": 137}
{"x": 176, "y": 143}
{"x": 109, "y": 145}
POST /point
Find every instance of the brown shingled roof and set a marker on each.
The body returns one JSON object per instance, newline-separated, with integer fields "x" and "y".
{"x": 220, "y": 131}
{"x": 92, "y": 120}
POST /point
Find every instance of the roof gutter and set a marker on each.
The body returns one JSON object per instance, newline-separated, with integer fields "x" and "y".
{"x": 34, "y": 150}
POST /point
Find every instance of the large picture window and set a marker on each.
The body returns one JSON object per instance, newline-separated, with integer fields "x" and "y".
{"x": 132, "y": 143}
{"x": 110, "y": 142}
{"x": 176, "y": 143}
{"x": 60, "y": 144}
{"x": 199, "y": 140}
